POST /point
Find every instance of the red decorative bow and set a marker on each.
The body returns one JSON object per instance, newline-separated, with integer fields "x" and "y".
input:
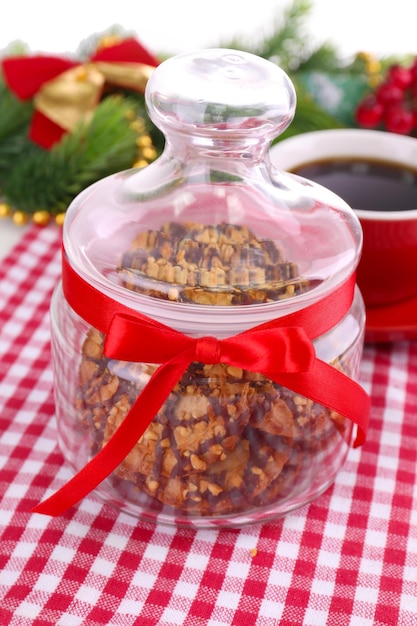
{"x": 66, "y": 92}
{"x": 281, "y": 350}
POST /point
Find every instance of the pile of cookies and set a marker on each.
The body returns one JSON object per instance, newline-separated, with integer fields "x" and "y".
{"x": 224, "y": 265}
{"x": 226, "y": 440}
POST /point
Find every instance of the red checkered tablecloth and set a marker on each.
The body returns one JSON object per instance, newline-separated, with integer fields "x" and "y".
{"x": 349, "y": 558}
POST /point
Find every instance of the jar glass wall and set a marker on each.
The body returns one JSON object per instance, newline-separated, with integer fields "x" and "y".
{"x": 211, "y": 241}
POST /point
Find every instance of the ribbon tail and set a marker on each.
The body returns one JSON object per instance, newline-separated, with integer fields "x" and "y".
{"x": 331, "y": 388}
{"x": 26, "y": 75}
{"x": 129, "y": 50}
{"x": 121, "y": 443}
{"x": 44, "y": 131}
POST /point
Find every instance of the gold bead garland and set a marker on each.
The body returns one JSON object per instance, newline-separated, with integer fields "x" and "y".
{"x": 20, "y": 218}
{"x": 5, "y": 210}
{"x": 146, "y": 153}
{"x": 41, "y": 218}
{"x": 372, "y": 67}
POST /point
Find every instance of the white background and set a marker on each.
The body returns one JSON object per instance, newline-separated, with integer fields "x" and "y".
{"x": 179, "y": 25}
{"x": 172, "y": 26}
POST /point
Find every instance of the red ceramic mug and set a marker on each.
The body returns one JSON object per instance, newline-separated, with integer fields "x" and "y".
{"x": 381, "y": 187}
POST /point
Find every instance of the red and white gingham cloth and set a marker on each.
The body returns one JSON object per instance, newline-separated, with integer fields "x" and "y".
{"x": 349, "y": 558}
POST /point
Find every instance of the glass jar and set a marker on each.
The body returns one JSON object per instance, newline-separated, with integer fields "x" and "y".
{"x": 205, "y": 245}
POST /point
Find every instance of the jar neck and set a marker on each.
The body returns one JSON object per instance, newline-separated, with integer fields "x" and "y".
{"x": 220, "y": 146}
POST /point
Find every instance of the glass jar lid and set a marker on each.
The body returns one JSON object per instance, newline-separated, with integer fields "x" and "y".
{"x": 212, "y": 221}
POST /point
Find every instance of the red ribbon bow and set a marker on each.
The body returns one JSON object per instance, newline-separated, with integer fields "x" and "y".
{"x": 66, "y": 91}
{"x": 281, "y": 350}
{"x": 267, "y": 351}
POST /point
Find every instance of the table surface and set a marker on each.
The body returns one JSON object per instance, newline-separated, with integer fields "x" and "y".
{"x": 10, "y": 234}
{"x": 348, "y": 558}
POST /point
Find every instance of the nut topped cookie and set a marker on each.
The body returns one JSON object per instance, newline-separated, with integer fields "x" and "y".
{"x": 226, "y": 440}
{"x": 211, "y": 265}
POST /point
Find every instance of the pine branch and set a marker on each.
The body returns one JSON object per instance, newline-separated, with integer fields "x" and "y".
{"x": 287, "y": 44}
{"x": 12, "y": 150}
{"x": 14, "y": 114}
{"x": 324, "y": 58}
{"x": 290, "y": 46}
{"x": 106, "y": 145}
{"x": 14, "y": 119}
{"x": 309, "y": 116}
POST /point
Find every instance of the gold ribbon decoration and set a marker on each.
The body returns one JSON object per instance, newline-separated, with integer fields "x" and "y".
{"x": 66, "y": 93}
{"x": 72, "y": 97}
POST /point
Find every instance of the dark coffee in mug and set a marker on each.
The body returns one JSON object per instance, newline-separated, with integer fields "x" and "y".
{"x": 367, "y": 185}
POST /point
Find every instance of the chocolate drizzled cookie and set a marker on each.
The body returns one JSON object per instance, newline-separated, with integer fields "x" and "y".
{"x": 226, "y": 440}
{"x": 216, "y": 265}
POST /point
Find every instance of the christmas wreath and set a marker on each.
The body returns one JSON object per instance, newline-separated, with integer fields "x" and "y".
{"x": 66, "y": 123}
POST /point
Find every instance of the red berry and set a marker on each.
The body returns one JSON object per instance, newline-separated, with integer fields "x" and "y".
{"x": 388, "y": 93}
{"x": 369, "y": 112}
{"x": 393, "y": 104}
{"x": 400, "y": 76}
{"x": 399, "y": 120}
{"x": 413, "y": 71}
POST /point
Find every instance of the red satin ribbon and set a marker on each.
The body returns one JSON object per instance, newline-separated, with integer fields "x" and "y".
{"x": 281, "y": 350}
{"x": 25, "y": 75}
